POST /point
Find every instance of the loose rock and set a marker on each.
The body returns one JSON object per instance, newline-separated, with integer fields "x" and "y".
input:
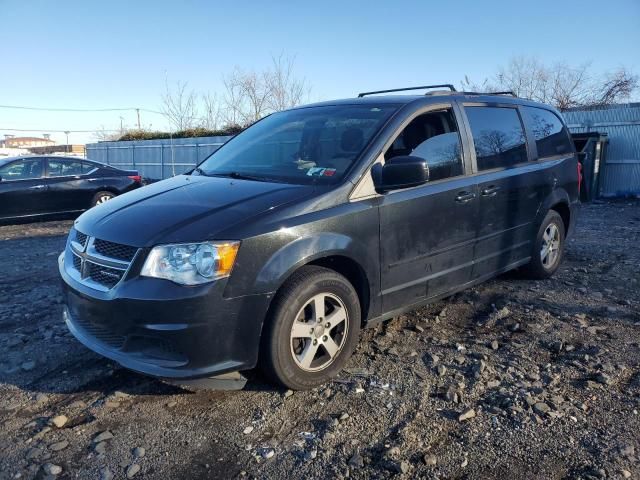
{"x": 132, "y": 470}
{"x": 59, "y": 421}
{"x": 51, "y": 469}
{"x": 466, "y": 415}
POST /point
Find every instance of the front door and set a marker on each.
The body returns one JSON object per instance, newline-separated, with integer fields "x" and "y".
{"x": 22, "y": 188}
{"x": 427, "y": 233}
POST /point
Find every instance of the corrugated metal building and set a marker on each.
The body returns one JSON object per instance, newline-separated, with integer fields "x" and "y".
{"x": 620, "y": 172}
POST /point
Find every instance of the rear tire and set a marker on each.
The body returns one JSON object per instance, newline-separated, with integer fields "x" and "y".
{"x": 102, "y": 197}
{"x": 312, "y": 330}
{"x": 548, "y": 248}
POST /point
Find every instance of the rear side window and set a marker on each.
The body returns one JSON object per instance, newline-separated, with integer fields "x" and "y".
{"x": 87, "y": 167}
{"x": 64, "y": 168}
{"x": 550, "y": 134}
{"x": 498, "y": 136}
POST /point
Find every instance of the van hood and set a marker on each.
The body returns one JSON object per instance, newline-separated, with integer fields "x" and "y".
{"x": 185, "y": 209}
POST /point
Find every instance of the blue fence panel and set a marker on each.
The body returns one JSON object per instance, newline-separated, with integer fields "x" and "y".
{"x": 155, "y": 159}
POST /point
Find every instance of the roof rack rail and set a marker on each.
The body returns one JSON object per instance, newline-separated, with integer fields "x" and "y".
{"x": 444, "y": 85}
{"x": 506, "y": 92}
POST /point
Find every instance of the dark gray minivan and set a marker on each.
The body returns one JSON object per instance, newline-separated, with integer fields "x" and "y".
{"x": 315, "y": 222}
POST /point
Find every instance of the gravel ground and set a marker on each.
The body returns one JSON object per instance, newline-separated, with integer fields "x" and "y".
{"x": 512, "y": 379}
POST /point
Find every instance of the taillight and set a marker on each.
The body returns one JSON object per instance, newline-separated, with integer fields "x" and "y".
{"x": 136, "y": 178}
{"x": 579, "y": 177}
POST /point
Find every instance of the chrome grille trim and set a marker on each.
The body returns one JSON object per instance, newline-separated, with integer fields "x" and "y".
{"x": 93, "y": 269}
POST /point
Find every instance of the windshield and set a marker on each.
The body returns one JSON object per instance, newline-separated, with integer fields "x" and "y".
{"x": 307, "y": 145}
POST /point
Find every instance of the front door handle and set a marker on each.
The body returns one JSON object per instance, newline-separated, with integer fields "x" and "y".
{"x": 464, "y": 197}
{"x": 490, "y": 191}
{"x": 37, "y": 187}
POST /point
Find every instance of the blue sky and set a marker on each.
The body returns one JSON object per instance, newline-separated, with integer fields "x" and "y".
{"x": 83, "y": 54}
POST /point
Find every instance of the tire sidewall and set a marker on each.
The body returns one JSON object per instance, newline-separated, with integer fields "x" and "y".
{"x": 555, "y": 218}
{"x": 288, "y": 372}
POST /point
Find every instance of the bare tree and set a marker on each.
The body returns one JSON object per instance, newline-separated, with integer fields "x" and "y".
{"x": 247, "y": 97}
{"x": 104, "y": 135}
{"x": 562, "y": 85}
{"x": 286, "y": 90}
{"x": 179, "y": 106}
{"x": 250, "y": 95}
{"x": 212, "y": 117}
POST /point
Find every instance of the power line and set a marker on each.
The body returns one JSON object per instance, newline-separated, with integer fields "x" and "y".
{"x": 55, "y": 131}
{"x": 51, "y": 109}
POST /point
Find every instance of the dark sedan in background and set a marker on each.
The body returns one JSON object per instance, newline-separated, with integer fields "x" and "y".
{"x": 35, "y": 186}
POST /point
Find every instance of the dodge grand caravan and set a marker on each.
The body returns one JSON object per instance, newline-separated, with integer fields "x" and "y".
{"x": 315, "y": 222}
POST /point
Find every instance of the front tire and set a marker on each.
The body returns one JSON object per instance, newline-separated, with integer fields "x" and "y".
{"x": 312, "y": 330}
{"x": 102, "y": 197}
{"x": 548, "y": 249}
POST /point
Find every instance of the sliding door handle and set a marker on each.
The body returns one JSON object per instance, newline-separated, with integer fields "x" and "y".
{"x": 490, "y": 191}
{"x": 464, "y": 197}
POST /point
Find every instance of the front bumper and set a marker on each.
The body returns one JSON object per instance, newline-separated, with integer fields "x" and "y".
{"x": 166, "y": 330}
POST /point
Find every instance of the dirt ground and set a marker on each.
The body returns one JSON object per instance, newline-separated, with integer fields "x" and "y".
{"x": 512, "y": 379}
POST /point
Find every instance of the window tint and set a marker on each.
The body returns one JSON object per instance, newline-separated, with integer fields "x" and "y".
{"x": 497, "y": 135}
{"x": 551, "y": 136}
{"x": 22, "y": 169}
{"x": 434, "y": 137}
{"x": 64, "y": 168}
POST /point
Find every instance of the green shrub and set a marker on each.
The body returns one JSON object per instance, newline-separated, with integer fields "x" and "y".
{"x": 190, "y": 133}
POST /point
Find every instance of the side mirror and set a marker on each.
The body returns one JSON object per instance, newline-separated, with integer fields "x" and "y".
{"x": 403, "y": 172}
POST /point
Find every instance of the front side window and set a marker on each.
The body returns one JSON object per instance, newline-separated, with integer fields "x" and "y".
{"x": 498, "y": 136}
{"x": 304, "y": 146}
{"x": 22, "y": 170}
{"x": 433, "y": 137}
{"x": 64, "y": 168}
{"x": 550, "y": 134}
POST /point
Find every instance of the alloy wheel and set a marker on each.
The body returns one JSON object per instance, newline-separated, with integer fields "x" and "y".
{"x": 103, "y": 198}
{"x": 319, "y": 332}
{"x": 550, "y": 251}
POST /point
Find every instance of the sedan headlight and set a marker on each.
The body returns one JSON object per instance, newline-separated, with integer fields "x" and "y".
{"x": 191, "y": 263}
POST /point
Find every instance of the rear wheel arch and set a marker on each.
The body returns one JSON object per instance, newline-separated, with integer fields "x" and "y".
{"x": 564, "y": 211}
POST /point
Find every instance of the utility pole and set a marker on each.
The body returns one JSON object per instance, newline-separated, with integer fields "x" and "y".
{"x": 66, "y": 147}
{"x": 121, "y": 127}
{"x": 138, "y": 113}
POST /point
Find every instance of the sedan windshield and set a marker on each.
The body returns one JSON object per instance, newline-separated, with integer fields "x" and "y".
{"x": 306, "y": 145}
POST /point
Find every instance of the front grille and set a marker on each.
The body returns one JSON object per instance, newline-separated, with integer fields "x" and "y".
{"x": 77, "y": 263}
{"x": 104, "y": 275}
{"x": 98, "y": 263}
{"x": 81, "y": 238}
{"x": 114, "y": 250}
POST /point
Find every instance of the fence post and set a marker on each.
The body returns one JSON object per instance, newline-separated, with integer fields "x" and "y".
{"x": 133, "y": 156}
{"x": 107, "y": 155}
{"x": 161, "y": 161}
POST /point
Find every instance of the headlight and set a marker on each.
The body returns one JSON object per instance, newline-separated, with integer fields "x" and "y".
{"x": 191, "y": 263}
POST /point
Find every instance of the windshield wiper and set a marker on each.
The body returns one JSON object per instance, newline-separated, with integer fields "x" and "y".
{"x": 199, "y": 171}
{"x": 238, "y": 176}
